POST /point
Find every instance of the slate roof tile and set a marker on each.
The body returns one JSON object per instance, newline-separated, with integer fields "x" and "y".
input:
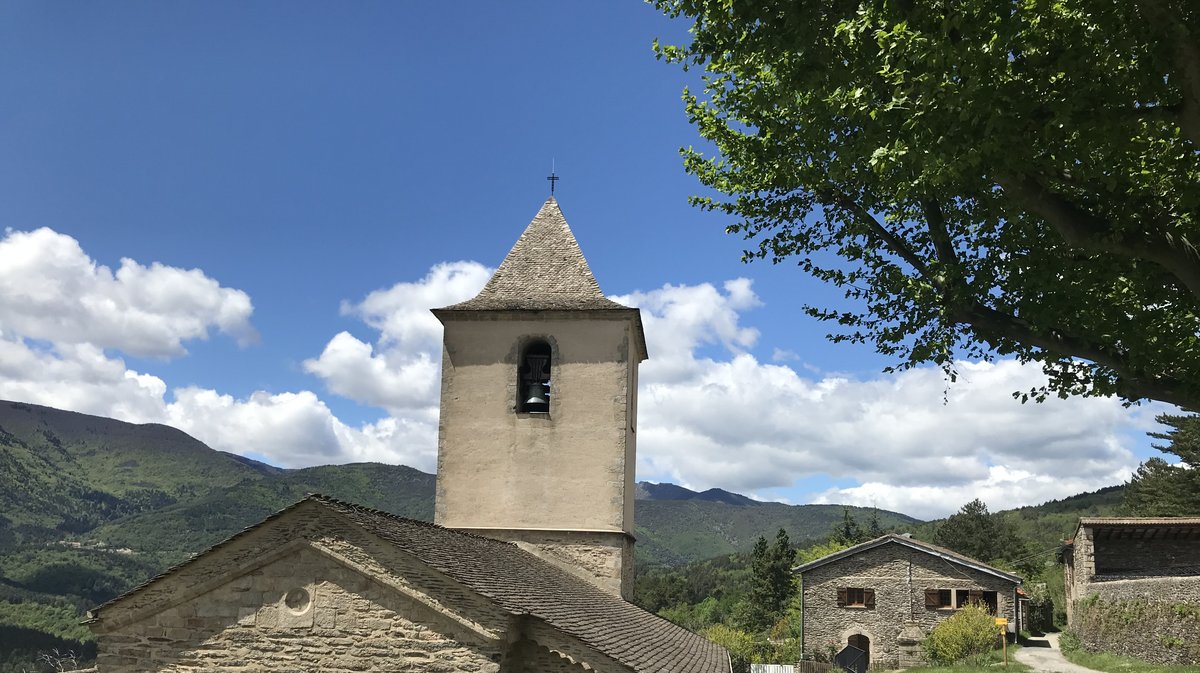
{"x": 523, "y": 584}
{"x": 544, "y": 271}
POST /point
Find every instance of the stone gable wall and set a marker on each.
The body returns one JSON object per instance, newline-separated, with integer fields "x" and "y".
{"x": 899, "y": 575}
{"x": 302, "y": 612}
{"x": 311, "y": 591}
{"x": 308, "y": 524}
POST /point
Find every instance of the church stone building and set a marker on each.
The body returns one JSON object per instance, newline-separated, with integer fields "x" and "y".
{"x": 530, "y": 564}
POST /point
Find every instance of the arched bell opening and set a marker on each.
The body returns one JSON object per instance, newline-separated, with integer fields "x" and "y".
{"x": 533, "y": 378}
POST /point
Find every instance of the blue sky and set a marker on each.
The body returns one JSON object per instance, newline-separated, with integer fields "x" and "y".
{"x": 295, "y": 183}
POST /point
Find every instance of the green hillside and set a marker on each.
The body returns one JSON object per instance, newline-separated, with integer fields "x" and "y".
{"x": 63, "y": 473}
{"x": 674, "y": 532}
{"x": 169, "y": 535}
{"x": 90, "y": 507}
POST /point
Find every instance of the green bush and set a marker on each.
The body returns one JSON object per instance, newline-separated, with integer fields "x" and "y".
{"x": 1069, "y": 641}
{"x": 969, "y": 634}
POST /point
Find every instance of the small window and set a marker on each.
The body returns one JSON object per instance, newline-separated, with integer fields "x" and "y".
{"x": 990, "y": 601}
{"x": 953, "y": 599}
{"x": 945, "y": 598}
{"x": 853, "y": 597}
{"x": 533, "y": 378}
{"x": 964, "y": 597}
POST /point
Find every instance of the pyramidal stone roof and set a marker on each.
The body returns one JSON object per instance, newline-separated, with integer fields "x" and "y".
{"x": 544, "y": 271}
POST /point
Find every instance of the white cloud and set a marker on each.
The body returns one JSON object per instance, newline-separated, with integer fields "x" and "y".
{"x": 51, "y": 290}
{"x": 911, "y": 439}
{"x": 712, "y": 414}
{"x": 60, "y": 312}
{"x": 298, "y": 430}
{"x": 79, "y": 377}
{"x": 400, "y": 372}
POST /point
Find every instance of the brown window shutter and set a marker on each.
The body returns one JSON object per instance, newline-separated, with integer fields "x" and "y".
{"x": 869, "y": 597}
{"x": 975, "y": 597}
{"x": 931, "y": 599}
{"x": 842, "y": 597}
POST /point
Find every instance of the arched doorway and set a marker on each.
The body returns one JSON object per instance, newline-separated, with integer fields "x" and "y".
{"x": 863, "y": 643}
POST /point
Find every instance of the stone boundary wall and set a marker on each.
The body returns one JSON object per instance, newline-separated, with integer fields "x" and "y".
{"x": 1138, "y": 626}
{"x": 1185, "y": 590}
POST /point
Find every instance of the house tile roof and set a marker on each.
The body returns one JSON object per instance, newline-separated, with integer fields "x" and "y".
{"x": 544, "y": 271}
{"x": 1139, "y": 527}
{"x": 524, "y": 585}
{"x": 911, "y": 543}
{"x": 1139, "y": 521}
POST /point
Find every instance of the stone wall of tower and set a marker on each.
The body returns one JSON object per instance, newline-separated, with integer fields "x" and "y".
{"x": 569, "y": 469}
{"x": 604, "y": 559}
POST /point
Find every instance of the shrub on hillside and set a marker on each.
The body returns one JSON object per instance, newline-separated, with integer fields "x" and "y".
{"x": 970, "y": 633}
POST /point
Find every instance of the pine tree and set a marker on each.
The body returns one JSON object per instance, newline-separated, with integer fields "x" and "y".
{"x": 1159, "y": 488}
{"x": 848, "y": 532}
{"x": 874, "y": 528}
{"x": 771, "y": 582}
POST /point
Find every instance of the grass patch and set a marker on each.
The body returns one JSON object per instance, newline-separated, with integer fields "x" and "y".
{"x": 1111, "y": 663}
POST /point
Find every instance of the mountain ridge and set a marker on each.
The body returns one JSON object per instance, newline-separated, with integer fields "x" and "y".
{"x": 91, "y": 506}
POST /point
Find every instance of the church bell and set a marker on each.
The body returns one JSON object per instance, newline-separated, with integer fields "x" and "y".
{"x": 537, "y": 379}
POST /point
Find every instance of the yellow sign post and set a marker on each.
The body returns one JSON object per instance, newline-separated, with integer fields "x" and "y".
{"x": 1002, "y": 623}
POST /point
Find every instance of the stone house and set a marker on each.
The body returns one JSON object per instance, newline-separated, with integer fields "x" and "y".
{"x": 529, "y": 565}
{"x": 1143, "y": 569}
{"x": 884, "y": 596}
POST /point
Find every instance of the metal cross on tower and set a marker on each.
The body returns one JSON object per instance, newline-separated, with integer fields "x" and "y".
{"x": 553, "y": 179}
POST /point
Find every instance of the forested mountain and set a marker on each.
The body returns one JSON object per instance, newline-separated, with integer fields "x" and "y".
{"x": 90, "y": 507}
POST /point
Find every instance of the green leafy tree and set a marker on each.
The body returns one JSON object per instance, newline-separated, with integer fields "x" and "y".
{"x": 741, "y": 645}
{"x": 975, "y": 532}
{"x": 1159, "y": 488}
{"x": 819, "y": 551}
{"x": 980, "y": 177}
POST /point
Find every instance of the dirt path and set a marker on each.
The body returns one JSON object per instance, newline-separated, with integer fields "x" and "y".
{"x": 1043, "y": 654}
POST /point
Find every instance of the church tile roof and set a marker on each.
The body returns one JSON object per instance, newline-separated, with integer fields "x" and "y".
{"x": 522, "y": 584}
{"x": 544, "y": 271}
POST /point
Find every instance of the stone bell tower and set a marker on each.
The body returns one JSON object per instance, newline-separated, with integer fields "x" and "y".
{"x": 538, "y": 431}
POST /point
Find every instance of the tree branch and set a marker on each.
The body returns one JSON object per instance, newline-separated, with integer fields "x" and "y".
{"x": 1187, "y": 63}
{"x": 1132, "y": 385}
{"x": 942, "y": 245}
{"x": 837, "y": 197}
{"x": 963, "y": 307}
{"x": 1082, "y": 229}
